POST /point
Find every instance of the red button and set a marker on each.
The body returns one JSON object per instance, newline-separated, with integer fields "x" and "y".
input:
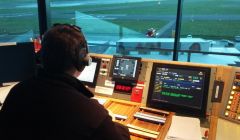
{"x": 104, "y": 66}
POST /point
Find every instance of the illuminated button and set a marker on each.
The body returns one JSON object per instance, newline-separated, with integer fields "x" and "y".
{"x": 104, "y": 66}
{"x": 228, "y": 107}
{"x": 234, "y": 87}
{"x": 232, "y": 92}
{"x": 231, "y": 97}
{"x": 226, "y": 113}
{"x": 229, "y": 102}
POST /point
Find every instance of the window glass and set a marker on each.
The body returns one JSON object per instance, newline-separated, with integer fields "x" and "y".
{"x": 210, "y": 26}
{"x": 18, "y": 20}
{"x": 143, "y": 28}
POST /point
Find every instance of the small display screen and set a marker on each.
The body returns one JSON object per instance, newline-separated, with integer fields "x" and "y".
{"x": 89, "y": 75}
{"x": 125, "y": 67}
{"x": 182, "y": 89}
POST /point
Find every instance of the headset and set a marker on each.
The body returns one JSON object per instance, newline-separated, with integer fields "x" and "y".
{"x": 82, "y": 57}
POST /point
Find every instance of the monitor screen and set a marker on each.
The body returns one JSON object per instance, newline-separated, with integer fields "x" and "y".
{"x": 17, "y": 62}
{"x": 89, "y": 75}
{"x": 181, "y": 89}
{"x": 125, "y": 67}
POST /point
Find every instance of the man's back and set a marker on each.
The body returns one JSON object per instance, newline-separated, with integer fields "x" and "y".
{"x": 56, "y": 107}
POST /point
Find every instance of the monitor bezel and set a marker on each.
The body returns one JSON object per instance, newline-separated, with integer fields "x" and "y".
{"x": 184, "y": 110}
{"x": 20, "y": 47}
{"x": 123, "y": 78}
{"x": 94, "y": 83}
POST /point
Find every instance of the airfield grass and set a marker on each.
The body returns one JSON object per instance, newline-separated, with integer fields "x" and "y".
{"x": 211, "y": 29}
{"x": 16, "y": 26}
{"x": 169, "y": 7}
{"x": 204, "y": 29}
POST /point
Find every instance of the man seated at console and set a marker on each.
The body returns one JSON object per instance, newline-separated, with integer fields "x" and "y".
{"x": 55, "y": 105}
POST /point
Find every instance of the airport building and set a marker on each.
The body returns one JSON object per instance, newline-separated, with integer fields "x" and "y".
{"x": 165, "y": 69}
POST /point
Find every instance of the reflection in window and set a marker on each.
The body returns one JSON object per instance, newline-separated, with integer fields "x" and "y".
{"x": 19, "y": 20}
{"x": 217, "y": 24}
{"x": 137, "y": 27}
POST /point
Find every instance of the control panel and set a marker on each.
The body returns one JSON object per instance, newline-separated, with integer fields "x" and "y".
{"x": 124, "y": 89}
{"x": 188, "y": 86}
{"x": 232, "y": 107}
{"x": 143, "y": 123}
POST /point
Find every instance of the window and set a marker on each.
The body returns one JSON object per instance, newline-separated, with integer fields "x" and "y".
{"x": 211, "y": 27}
{"x": 142, "y": 28}
{"x": 19, "y": 20}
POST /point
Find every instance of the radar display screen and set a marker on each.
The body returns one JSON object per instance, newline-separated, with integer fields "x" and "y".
{"x": 125, "y": 67}
{"x": 182, "y": 89}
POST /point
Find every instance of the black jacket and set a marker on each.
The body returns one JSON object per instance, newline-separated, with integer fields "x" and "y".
{"x": 56, "y": 107}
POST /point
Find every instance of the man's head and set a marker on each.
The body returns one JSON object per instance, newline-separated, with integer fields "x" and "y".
{"x": 64, "y": 48}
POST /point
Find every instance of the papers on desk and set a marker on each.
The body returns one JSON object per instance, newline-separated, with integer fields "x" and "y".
{"x": 184, "y": 128}
{"x": 100, "y": 100}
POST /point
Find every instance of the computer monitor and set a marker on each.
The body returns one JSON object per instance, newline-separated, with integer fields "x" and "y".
{"x": 90, "y": 73}
{"x": 125, "y": 68}
{"x": 178, "y": 88}
{"x": 17, "y": 62}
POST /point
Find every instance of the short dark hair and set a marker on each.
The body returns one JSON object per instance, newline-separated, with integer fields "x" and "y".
{"x": 62, "y": 46}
